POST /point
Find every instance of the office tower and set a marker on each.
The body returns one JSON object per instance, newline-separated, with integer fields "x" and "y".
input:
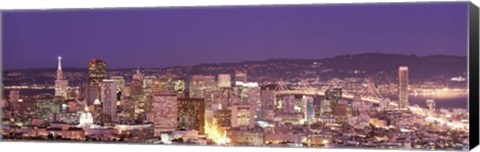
{"x": 286, "y": 104}
{"x": 340, "y": 112}
{"x": 120, "y": 84}
{"x": 60, "y": 83}
{"x": 403, "y": 88}
{"x": 196, "y": 87}
{"x": 92, "y": 93}
{"x": 431, "y": 105}
{"x": 224, "y": 80}
{"x": 241, "y": 76}
{"x": 164, "y": 112}
{"x": 45, "y": 106}
{"x": 309, "y": 112}
{"x": 97, "y": 71}
{"x": 243, "y": 116}
{"x": 191, "y": 114}
{"x": 137, "y": 84}
{"x": 109, "y": 99}
{"x": 326, "y": 107}
{"x": 223, "y": 118}
{"x": 267, "y": 100}
{"x": 210, "y": 86}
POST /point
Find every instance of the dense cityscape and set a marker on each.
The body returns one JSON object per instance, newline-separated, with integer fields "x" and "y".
{"x": 234, "y": 108}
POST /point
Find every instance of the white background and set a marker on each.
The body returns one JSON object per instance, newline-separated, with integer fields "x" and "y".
{"x": 80, "y": 147}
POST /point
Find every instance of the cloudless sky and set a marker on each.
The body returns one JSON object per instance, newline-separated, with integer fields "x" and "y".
{"x": 162, "y": 37}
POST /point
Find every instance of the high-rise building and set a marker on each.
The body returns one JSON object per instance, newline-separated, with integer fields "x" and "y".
{"x": 120, "y": 83}
{"x": 137, "y": 83}
{"x": 243, "y": 116}
{"x": 109, "y": 98}
{"x": 60, "y": 83}
{"x": 309, "y": 112}
{"x": 403, "y": 88}
{"x": 267, "y": 100}
{"x": 240, "y": 76}
{"x": 97, "y": 71}
{"x": 223, "y": 118}
{"x": 191, "y": 114}
{"x": 197, "y": 86}
{"x": 92, "y": 93}
{"x": 224, "y": 80}
{"x": 164, "y": 111}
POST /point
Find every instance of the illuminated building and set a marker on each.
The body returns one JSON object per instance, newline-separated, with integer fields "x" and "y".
{"x": 309, "y": 110}
{"x": 164, "y": 111}
{"x": 240, "y": 76}
{"x": 177, "y": 85}
{"x": 223, "y": 117}
{"x": 138, "y": 76}
{"x": 326, "y": 107}
{"x": 96, "y": 71}
{"x": 403, "y": 88}
{"x": 86, "y": 118}
{"x": 148, "y": 82}
{"x": 120, "y": 83}
{"x": 109, "y": 99}
{"x": 136, "y": 84}
{"x": 243, "y": 116}
{"x": 197, "y": 86}
{"x": 267, "y": 100}
{"x": 224, "y": 80}
{"x": 45, "y": 106}
{"x": 249, "y": 93}
{"x": 340, "y": 113}
{"x": 243, "y": 136}
{"x": 92, "y": 93}
{"x": 334, "y": 95}
{"x": 191, "y": 114}
{"x": 60, "y": 83}
{"x": 431, "y": 105}
{"x": 286, "y": 104}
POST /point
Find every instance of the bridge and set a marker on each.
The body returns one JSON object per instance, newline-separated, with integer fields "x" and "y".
{"x": 367, "y": 93}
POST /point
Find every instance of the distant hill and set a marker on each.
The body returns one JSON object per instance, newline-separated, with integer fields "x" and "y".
{"x": 380, "y": 67}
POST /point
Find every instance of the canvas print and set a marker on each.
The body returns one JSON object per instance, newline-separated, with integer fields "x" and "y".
{"x": 378, "y": 75}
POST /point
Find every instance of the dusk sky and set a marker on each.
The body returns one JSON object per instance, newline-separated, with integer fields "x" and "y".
{"x": 162, "y": 37}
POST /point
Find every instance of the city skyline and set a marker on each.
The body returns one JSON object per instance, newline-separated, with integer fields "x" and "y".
{"x": 141, "y": 37}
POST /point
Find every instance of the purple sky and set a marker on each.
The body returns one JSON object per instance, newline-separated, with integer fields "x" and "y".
{"x": 161, "y": 37}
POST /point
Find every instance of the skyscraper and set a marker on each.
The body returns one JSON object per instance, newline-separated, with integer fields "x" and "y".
{"x": 164, "y": 111}
{"x": 403, "y": 88}
{"x": 96, "y": 71}
{"x": 191, "y": 114}
{"x": 196, "y": 86}
{"x": 240, "y": 76}
{"x": 109, "y": 98}
{"x": 224, "y": 80}
{"x": 60, "y": 83}
{"x": 243, "y": 116}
